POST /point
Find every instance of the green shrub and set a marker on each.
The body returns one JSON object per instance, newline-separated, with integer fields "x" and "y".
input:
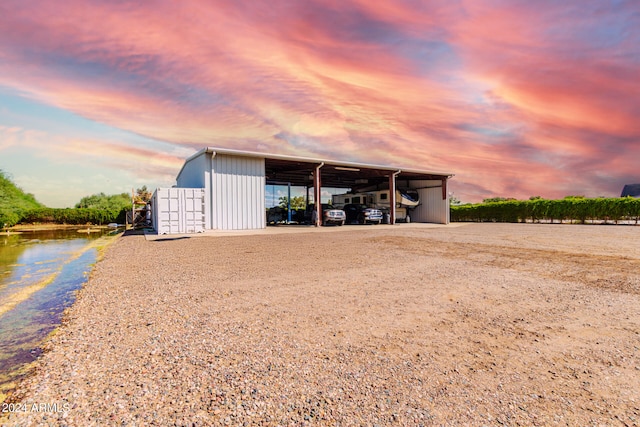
{"x": 572, "y": 208}
{"x": 74, "y": 216}
{"x": 9, "y": 218}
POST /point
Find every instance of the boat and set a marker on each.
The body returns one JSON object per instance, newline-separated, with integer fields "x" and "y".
{"x": 409, "y": 199}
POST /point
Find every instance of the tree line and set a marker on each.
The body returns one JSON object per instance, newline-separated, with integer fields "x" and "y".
{"x": 18, "y": 207}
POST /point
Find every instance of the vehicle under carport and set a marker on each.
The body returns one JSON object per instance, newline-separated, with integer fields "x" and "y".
{"x": 234, "y": 185}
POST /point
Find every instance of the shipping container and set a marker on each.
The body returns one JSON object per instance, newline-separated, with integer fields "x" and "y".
{"x": 178, "y": 210}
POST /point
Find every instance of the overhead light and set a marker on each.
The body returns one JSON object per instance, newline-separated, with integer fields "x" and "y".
{"x": 340, "y": 168}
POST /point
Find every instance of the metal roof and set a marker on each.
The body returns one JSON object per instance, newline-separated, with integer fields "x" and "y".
{"x": 282, "y": 169}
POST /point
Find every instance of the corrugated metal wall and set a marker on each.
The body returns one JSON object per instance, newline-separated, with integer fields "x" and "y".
{"x": 238, "y": 193}
{"x": 193, "y": 173}
{"x": 432, "y": 207}
{"x": 178, "y": 210}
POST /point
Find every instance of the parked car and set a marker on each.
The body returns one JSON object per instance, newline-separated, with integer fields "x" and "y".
{"x": 361, "y": 214}
{"x": 279, "y": 215}
{"x": 330, "y": 215}
{"x": 276, "y": 215}
{"x": 333, "y": 216}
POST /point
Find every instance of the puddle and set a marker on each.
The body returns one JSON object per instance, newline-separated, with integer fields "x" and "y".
{"x": 40, "y": 273}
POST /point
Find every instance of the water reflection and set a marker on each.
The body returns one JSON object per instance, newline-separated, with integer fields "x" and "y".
{"x": 39, "y": 274}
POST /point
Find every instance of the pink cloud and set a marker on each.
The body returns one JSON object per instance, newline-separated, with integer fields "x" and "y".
{"x": 512, "y": 96}
{"x": 63, "y": 149}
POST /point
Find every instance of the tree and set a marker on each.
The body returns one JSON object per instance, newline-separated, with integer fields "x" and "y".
{"x": 143, "y": 195}
{"x": 114, "y": 202}
{"x": 14, "y": 202}
{"x": 297, "y": 202}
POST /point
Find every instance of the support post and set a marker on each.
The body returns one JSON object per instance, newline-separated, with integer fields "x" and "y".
{"x": 392, "y": 197}
{"x": 317, "y": 194}
{"x": 289, "y": 203}
{"x": 444, "y": 188}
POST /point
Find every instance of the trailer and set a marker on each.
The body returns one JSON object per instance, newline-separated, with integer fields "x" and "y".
{"x": 406, "y": 200}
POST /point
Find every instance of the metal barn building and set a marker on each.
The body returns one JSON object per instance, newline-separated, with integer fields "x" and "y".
{"x": 233, "y": 185}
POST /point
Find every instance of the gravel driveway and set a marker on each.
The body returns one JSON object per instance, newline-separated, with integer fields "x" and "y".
{"x": 408, "y": 325}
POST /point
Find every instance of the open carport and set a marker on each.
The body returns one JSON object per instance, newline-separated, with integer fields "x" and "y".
{"x": 234, "y": 182}
{"x": 314, "y": 173}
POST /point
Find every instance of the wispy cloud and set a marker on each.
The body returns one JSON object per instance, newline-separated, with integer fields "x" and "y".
{"x": 516, "y": 98}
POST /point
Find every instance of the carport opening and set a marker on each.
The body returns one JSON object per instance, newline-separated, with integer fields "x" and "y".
{"x": 293, "y": 205}
{"x": 340, "y": 184}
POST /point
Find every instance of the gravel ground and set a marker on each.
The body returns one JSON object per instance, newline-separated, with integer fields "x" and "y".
{"x": 475, "y": 324}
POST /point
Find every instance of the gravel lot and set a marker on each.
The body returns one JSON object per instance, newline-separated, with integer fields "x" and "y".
{"x": 467, "y": 324}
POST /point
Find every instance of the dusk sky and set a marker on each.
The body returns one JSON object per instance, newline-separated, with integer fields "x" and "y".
{"x": 516, "y": 98}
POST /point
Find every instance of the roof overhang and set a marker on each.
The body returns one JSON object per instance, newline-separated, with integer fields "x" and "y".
{"x": 284, "y": 169}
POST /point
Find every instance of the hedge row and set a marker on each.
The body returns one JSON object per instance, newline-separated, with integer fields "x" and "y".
{"x": 574, "y": 209}
{"x": 75, "y": 216}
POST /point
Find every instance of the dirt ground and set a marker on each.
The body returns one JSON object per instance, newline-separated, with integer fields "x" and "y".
{"x": 467, "y": 324}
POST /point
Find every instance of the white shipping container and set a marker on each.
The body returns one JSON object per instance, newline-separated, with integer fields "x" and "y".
{"x": 178, "y": 210}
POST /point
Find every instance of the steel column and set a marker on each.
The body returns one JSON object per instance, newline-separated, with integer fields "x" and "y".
{"x": 444, "y": 188}
{"x": 317, "y": 194}
{"x": 392, "y": 197}
{"x": 288, "y": 203}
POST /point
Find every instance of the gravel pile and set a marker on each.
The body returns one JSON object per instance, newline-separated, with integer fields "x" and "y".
{"x": 482, "y": 324}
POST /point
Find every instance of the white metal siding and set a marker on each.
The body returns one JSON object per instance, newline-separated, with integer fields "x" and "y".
{"x": 238, "y": 192}
{"x": 432, "y": 207}
{"x": 193, "y": 173}
{"x": 178, "y": 210}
